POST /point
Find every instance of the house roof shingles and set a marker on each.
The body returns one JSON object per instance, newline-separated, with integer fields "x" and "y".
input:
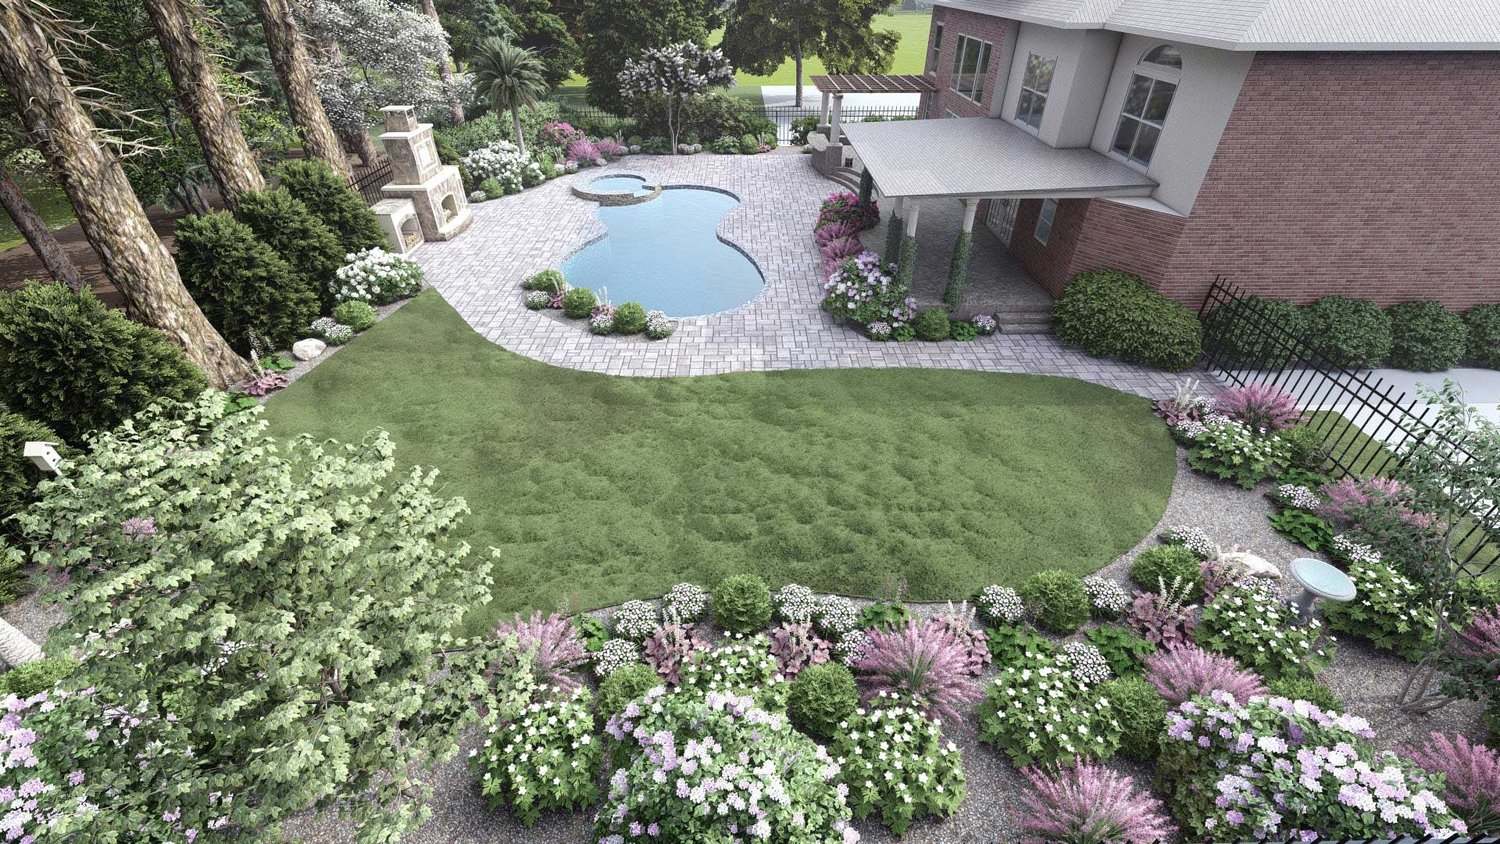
{"x": 1288, "y": 25}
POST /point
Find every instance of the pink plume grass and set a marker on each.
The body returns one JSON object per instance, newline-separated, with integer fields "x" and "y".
{"x": 924, "y": 663}
{"x": 1090, "y": 804}
{"x": 1472, "y": 772}
{"x": 555, "y": 647}
{"x": 1261, "y": 406}
{"x": 1186, "y": 671}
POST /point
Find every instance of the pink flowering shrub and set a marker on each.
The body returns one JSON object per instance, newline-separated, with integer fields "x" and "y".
{"x": 861, "y": 290}
{"x": 610, "y": 148}
{"x": 669, "y": 649}
{"x": 582, "y": 151}
{"x": 1089, "y": 804}
{"x": 558, "y": 133}
{"x": 1472, "y": 773}
{"x": 846, "y": 207}
{"x": 266, "y": 383}
{"x": 1187, "y": 671}
{"x": 923, "y": 663}
{"x": 555, "y": 647}
{"x": 836, "y": 231}
{"x": 975, "y": 642}
{"x": 836, "y": 252}
{"x": 1480, "y": 639}
{"x": 1262, "y": 407}
{"x": 1353, "y": 500}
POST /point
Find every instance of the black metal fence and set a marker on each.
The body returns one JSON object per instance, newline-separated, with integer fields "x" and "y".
{"x": 1367, "y": 423}
{"x": 368, "y": 185}
{"x": 786, "y": 118}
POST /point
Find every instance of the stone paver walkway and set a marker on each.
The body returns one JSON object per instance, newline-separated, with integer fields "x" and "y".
{"x": 783, "y": 328}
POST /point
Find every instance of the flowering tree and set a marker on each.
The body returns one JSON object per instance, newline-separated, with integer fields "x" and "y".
{"x": 262, "y": 627}
{"x": 674, "y": 74}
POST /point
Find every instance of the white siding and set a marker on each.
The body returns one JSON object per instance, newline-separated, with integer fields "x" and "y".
{"x": 1084, "y": 62}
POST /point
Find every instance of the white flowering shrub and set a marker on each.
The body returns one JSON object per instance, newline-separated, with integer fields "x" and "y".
{"x": 658, "y": 327}
{"x": 376, "y": 276}
{"x": 503, "y": 162}
{"x": 543, "y": 760}
{"x": 1041, "y": 712}
{"x": 1355, "y": 553}
{"x": 1193, "y": 539}
{"x": 795, "y": 603}
{"x": 331, "y": 331}
{"x": 1248, "y": 622}
{"x": 670, "y": 76}
{"x": 1000, "y": 605}
{"x": 1086, "y": 662}
{"x": 536, "y": 300}
{"x": 835, "y": 616}
{"x": 897, "y": 765}
{"x": 614, "y": 655}
{"x": 635, "y": 620}
{"x": 1298, "y": 497}
{"x": 686, "y": 602}
{"x": 1107, "y": 598}
{"x": 742, "y": 665}
{"x": 851, "y": 647}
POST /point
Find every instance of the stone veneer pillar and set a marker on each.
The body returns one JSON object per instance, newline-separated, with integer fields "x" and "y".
{"x": 435, "y": 189}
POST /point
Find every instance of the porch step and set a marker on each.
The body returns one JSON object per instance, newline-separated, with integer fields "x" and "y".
{"x": 846, "y": 176}
{"x": 1024, "y": 322}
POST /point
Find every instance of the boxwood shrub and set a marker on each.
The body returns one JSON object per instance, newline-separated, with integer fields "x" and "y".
{"x": 1165, "y": 563}
{"x": 1244, "y": 335}
{"x": 1109, "y": 313}
{"x": 1483, "y": 324}
{"x": 932, "y": 325}
{"x": 820, "y": 697}
{"x": 1353, "y": 333}
{"x": 1425, "y": 337}
{"x": 579, "y": 302}
{"x": 741, "y": 604}
{"x": 1142, "y": 713}
{"x": 630, "y": 318}
{"x": 1057, "y": 600}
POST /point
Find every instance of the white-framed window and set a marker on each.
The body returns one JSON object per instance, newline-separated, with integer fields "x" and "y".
{"x": 935, "y": 52}
{"x": 1044, "y": 220}
{"x": 1036, "y": 84}
{"x": 1147, "y": 102}
{"x": 971, "y": 61}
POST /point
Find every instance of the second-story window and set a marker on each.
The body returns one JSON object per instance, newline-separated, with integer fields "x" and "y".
{"x": 1147, "y": 101}
{"x": 1036, "y": 83}
{"x": 971, "y": 61}
{"x": 934, "y": 60}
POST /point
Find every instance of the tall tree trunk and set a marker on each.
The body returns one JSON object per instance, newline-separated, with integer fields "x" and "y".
{"x": 445, "y": 71}
{"x": 35, "y": 230}
{"x": 357, "y": 140}
{"x": 515, "y": 119}
{"x": 108, "y": 211}
{"x": 16, "y": 647}
{"x": 797, "y": 56}
{"x": 294, "y": 71}
{"x": 196, "y": 79}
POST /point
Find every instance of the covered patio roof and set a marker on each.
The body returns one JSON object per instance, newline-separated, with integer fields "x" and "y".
{"x": 981, "y": 157}
{"x": 872, "y": 83}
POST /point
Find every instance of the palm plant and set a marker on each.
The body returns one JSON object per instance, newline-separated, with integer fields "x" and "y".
{"x": 510, "y": 76}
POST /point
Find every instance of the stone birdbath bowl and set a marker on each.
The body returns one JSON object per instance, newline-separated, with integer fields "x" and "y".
{"x": 1319, "y": 580}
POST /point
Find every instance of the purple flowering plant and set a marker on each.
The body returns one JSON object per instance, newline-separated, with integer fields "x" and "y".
{"x": 1278, "y": 769}
{"x": 862, "y": 290}
{"x": 1088, "y": 803}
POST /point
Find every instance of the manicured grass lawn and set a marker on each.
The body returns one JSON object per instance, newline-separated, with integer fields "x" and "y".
{"x": 911, "y": 56}
{"x": 598, "y": 489}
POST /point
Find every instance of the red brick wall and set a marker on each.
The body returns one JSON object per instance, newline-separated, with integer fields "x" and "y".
{"x": 983, "y": 27}
{"x": 1090, "y": 234}
{"x": 1374, "y": 175}
{"x": 1048, "y": 264}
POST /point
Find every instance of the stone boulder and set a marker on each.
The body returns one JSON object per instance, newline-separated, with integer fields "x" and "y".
{"x": 308, "y": 349}
{"x": 1251, "y": 564}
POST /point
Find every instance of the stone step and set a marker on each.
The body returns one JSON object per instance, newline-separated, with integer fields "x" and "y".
{"x": 845, "y": 176}
{"x": 1024, "y": 322}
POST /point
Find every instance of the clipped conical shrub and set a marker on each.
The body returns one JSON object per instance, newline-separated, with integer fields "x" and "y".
{"x": 283, "y": 223}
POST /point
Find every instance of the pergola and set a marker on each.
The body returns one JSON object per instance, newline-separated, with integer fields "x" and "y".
{"x": 835, "y": 85}
{"x": 970, "y": 159}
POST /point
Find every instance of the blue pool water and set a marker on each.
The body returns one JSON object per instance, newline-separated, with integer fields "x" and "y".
{"x": 665, "y": 254}
{"x": 634, "y": 184}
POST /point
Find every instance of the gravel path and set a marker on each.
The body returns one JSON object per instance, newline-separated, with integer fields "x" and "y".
{"x": 1365, "y": 680}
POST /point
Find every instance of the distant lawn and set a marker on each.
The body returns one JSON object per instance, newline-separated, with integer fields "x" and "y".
{"x": 599, "y": 488}
{"x": 911, "y": 56}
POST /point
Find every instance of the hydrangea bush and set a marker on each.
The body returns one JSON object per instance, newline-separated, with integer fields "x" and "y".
{"x": 1193, "y": 539}
{"x": 717, "y": 768}
{"x": 862, "y": 291}
{"x": 895, "y": 763}
{"x": 614, "y": 655}
{"x": 331, "y": 331}
{"x": 1040, "y": 712}
{"x": 376, "y": 276}
{"x": 543, "y": 760}
{"x": 506, "y": 164}
{"x": 1277, "y": 769}
{"x": 658, "y": 326}
{"x": 1086, "y": 662}
{"x": 835, "y": 616}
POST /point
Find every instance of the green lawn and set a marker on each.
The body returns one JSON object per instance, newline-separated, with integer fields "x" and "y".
{"x": 598, "y": 489}
{"x": 911, "y": 56}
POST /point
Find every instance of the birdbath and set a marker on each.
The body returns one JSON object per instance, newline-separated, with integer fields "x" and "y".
{"x": 1319, "y": 580}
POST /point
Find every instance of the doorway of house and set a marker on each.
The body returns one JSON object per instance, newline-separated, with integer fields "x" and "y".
{"x": 1001, "y": 218}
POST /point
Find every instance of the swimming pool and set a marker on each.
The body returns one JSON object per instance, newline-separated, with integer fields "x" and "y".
{"x": 665, "y": 253}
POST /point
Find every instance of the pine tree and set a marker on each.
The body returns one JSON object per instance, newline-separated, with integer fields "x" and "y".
{"x": 283, "y": 223}
{"x": 330, "y": 198}
{"x": 241, "y": 283}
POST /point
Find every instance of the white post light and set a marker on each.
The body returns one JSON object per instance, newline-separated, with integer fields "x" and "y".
{"x": 44, "y": 456}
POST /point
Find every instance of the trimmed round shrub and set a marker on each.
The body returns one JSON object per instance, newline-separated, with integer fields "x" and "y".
{"x": 932, "y": 325}
{"x": 329, "y": 197}
{"x": 550, "y": 281}
{"x": 630, "y": 318}
{"x": 741, "y": 604}
{"x": 1164, "y": 563}
{"x": 355, "y": 314}
{"x": 1425, "y": 337}
{"x": 1245, "y": 333}
{"x": 1308, "y": 689}
{"x": 18, "y": 475}
{"x": 579, "y": 302}
{"x": 1353, "y": 333}
{"x": 623, "y": 685}
{"x": 1142, "y": 714}
{"x": 1109, "y": 313}
{"x": 1057, "y": 600}
{"x": 283, "y": 223}
{"x": 820, "y": 697}
{"x": 241, "y": 284}
{"x": 31, "y": 678}
{"x": 1483, "y": 324}
{"x": 77, "y": 367}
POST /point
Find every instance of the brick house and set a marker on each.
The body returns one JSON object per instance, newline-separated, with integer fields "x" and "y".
{"x": 1301, "y": 147}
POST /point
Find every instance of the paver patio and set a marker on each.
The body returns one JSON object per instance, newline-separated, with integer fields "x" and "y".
{"x": 783, "y": 328}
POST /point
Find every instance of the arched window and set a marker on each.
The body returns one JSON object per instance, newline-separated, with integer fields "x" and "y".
{"x": 1147, "y": 101}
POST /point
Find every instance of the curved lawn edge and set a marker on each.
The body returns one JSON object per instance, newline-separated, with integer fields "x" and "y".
{"x": 597, "y": 488}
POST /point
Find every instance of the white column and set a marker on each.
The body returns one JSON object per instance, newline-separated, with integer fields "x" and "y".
{"x": 909, "y": 215}
{"x": 823, "y": 117}
{"x": 897, "y": 206}
{"x": 971, "y": 207}
{"x": 838, "y": 113}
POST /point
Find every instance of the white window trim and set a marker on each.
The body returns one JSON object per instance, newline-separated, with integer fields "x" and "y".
{"x": 1045, "y": 95}
{"x": 1047, "y": 215}
{"x": 935, "y": 49}
{"x": 959, "y": 48}
{"x": 1157, "y": 72}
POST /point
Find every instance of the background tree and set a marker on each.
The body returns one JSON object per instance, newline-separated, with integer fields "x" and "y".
{"x": 761, "y": 34}
{"x": 27, "y": 219}
{"x": 296, "y": 623}
{"x": 508, "y": 76}
{"x": 445, "y": 68}
{"x": 108, "y": 212}
{"x": 616, "y": 30}
{"x": 294, "y": 70}
{"x": 671, "y": 76}
{"x": 195, "y": 77}
{"x": 536, "y": 25}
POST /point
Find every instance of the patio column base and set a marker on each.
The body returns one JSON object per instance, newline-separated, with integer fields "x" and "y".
{"x": 958, "y": 271}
